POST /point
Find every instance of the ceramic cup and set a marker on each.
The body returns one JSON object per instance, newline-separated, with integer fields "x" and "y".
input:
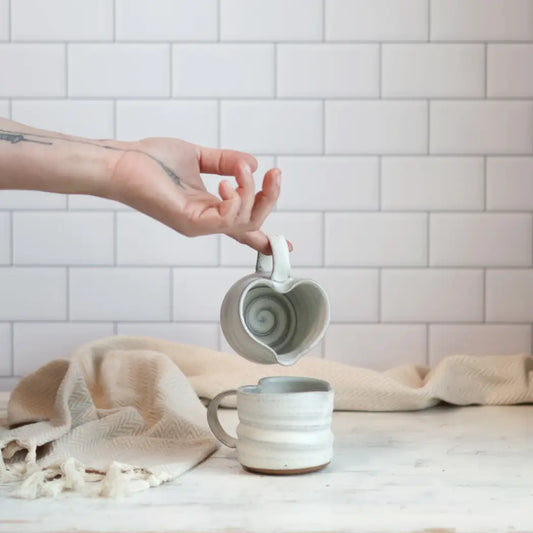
{"x": 269, "y": 317}
{"x": 284, "y": 425}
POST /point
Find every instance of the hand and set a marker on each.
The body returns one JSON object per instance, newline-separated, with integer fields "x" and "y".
{"x": 161, "y": 177}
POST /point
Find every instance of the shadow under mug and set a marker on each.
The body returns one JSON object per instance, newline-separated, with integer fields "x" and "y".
{"x": 268, "y": 316}
{"x": 284, "y": 425}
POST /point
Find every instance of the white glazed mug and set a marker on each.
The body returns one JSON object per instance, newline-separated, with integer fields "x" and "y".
{"x": 284, "y": 425}
{"x": 269, "y": 317}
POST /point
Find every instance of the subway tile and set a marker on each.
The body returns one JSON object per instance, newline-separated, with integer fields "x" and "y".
{"x": 328, "y": 70}
{"x": 433, "y": 70}
{"x": 332, "y": 183}
{"x": 376, "y": 346}
{"x": 43, "y": 74}
{"x": 436, "y": 295}
{"x": 4, "y": 20}
{"x": 192, "y": 121}
{"x": 32, "y": 200}
{"x": 376, "y": 20}
{"x": 141, "y": 240}
{"x": 509, "y": 68}
{"x": 481, "y": 20}
{"x": 478, "y": 239}
{"x": 432, "y": 183}
{"x": 276, "y": 20}
{"x": 198, "y": 292}
{"x": 509, "y": 295}
{"x": 375, "y": 127}
{"x": 352, "y": 293}
{"x": 120, "y": 294}
{"x": 162, "y": 20}
{"x": 33, "y": 294}
{"x": 35, "y": 344}
{"x": 62, "y": 238}
{"x": 5, "y": 350}
{"x": 304, "y": 230}
{"x": 227, "y": 70}
{"x": 82, "y": 118}
{"x": 5, "y": 239}
{"x": 186, "y": 333}
{"x": 115, "y": 70}
{"x": 266, "y": 127}
{"x": 61, "y": 20}
{"x": 375, "y": 239}
{"x": 482, "y": 339}
{"x": 510, "y": 183}
{"x": 491, "y": 127}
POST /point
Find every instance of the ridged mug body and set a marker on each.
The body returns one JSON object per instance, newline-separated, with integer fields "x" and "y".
{"x": 284, "y": 431}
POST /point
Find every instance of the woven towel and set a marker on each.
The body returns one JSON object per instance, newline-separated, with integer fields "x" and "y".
{"x": 123, "y": 413}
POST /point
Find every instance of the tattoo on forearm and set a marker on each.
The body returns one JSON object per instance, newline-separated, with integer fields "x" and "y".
{"x": 14, "y": 137}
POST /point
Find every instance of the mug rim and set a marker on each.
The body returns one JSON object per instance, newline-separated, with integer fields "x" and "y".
{"x": 247, "y": 389}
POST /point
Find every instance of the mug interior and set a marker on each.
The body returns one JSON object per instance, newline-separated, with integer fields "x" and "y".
{"x": 285, "y": 384}
{"x": 288, "y": 322}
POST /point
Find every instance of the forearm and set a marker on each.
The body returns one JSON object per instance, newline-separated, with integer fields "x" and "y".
{"x": 48, "y": 161}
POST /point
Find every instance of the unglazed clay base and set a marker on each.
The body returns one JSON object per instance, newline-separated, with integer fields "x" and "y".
{"x": 284, "y": 472}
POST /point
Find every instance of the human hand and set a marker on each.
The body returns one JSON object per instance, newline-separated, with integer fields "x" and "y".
{"x": 161, "y": 177}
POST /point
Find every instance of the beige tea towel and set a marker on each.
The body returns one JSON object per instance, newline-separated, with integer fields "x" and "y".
{"x": 123, "y": 414}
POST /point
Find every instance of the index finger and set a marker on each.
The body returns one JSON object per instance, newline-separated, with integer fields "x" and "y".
{"x": 223, "y": 162}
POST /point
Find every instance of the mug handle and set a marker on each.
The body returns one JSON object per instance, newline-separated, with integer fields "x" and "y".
{"x": 214, "y": 422}
{"x": 278, "y": 265}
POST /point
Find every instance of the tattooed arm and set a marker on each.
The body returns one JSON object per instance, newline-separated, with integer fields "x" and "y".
{"x": 158, "y": 176}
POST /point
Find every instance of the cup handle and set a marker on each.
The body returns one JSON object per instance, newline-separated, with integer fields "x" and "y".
{"x": 214, "y": 423}
{"x": 278, "y": 265}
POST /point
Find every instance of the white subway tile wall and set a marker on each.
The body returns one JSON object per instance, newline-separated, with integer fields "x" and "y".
{"x": 404, "y": 130}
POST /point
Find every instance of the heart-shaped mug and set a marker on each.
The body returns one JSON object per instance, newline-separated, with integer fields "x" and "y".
{"x": 269, "y": 317}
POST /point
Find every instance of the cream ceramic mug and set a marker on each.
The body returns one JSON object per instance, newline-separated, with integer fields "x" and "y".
{"x": 284, "y": 425}
{"x": 270, "y": 317}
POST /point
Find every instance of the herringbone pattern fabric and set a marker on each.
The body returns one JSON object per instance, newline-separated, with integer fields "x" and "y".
{"x": 123, "y": 413}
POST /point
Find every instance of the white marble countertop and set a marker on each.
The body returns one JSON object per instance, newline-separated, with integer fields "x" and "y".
{"x": 446, "y": 469}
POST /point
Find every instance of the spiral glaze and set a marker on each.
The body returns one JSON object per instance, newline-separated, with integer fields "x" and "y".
{"x": 270, "y": 317}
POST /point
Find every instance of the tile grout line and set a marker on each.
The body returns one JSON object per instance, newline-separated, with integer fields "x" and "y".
{"x": 171, "y": 294}
{"x": 429, "y": 21}
{"x": 485, "y": 188}
{"x": 115, "y": 239}
{"x": 219, "y": 22}
{"x": 428, "y": 340}
{"x": 12, "y": 347}
{"x": 114, "y": 17}
{"x": 66, "y": 72}
{"x": 275, "y": 72}
{"x": 428, "y": 129}
{"x": 428, "y": 239}
{"x": 379, "y": 317}
{"x": 9, "y": 12}
{"x": 323, "y": 21}
{"x": 484, "y": 297}
{"x": 486, "y": 69}
{"x": 11, "y": 240}
{"x": 380, "y": 71}
{"x": 171, "y": 69}
{"x": 67, "y": 288}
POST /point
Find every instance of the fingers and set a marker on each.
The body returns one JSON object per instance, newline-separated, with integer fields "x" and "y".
{"x": 259, "y": 241}
{"x": 266, "y": 198}
{"x": 223, "y": 162}
{"x": 231, "y": 201}
{"x": 246, "y": 191}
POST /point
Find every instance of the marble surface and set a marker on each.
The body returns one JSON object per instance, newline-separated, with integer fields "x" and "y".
{"x": 467, "y": 469}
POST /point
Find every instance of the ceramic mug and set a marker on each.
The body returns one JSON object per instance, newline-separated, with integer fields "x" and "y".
{"x": 284, "y": 425}
{"x": 269, "y": 317}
